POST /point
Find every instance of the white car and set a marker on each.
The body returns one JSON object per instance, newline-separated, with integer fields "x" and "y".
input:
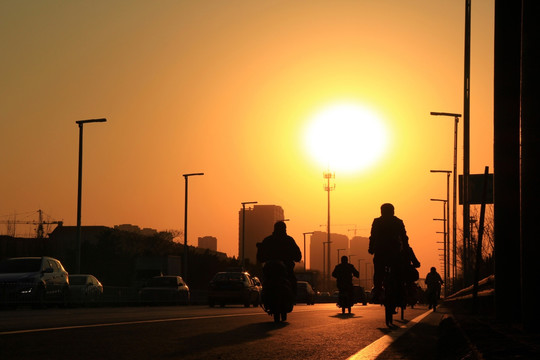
{"x": 167, "y": 289}
{"x": 85, "y": 289}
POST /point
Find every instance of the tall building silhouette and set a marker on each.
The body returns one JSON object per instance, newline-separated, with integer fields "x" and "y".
{"x": 362, "y": 260}
{"x": 319, "y": 238}
{"x": 259, "y": 223}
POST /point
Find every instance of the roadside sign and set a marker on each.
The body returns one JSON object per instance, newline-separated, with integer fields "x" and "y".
{"x": 476, "y": 183}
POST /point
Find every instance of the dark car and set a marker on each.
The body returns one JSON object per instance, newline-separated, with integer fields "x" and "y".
{"x": 305, "y": 293}
{"x": 84, "y": 289}
{"x": 360, "y": 296}
{"x": 167, "y": 289}
{"x": 235, "y": 287}
{"x": 33, "y": 280}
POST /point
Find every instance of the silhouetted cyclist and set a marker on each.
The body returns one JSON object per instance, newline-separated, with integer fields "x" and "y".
{"x": 389, "y": 245}
{"x": 280, "y": 246}
{"x": 344, "y": 273}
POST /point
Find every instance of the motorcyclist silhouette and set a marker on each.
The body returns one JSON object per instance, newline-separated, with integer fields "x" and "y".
{"x": 278, "y": 252}
{"x": 280, "y": 246}
{"x": 389, "y": 244}
{"x": 344, "y": 273}
{"x": 433, "y": 282}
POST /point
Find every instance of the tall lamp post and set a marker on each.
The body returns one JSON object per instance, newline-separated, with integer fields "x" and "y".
{"x": 79, "y": 187}
{"x": 452, "y": 273}
{"x": 244, "y": 229}
{"x": 305, "y": 256}
{"x": 446, "y": 250}
{"x": 454, "y": 187}
{"x": 328, "y": 176}
{"x": 186, "y": 176}
{"x": 360, "y": 273}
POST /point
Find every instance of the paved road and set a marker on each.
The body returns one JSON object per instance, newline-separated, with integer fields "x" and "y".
{"x": 194, "y": 332}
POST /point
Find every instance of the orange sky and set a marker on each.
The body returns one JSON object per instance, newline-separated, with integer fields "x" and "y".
{"x": 227, "y": 88}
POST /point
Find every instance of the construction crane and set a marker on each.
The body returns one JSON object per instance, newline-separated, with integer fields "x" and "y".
{"x": 323, "y": 225}
{"x": 40, "y": 222}
{"x": 356, "y": 229}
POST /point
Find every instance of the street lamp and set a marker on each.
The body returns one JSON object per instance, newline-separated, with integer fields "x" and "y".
{"x": 185, "y": 224}
{"x": 305, "y": 256}
{"x": 448, "y": 172}
{"x": 244, "y": 228}
{"x": 328, "y": 176}
{"x": 446, "y": 250}
{"x": 454, "y": 187}
{"x": 79, "y": 188}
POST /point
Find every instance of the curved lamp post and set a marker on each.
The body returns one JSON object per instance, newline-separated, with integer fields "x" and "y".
{"x": 185, "y": 224}
{"x": 79, "y": 188}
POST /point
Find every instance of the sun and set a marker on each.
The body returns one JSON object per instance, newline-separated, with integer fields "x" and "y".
{"x": 345, "y": 137}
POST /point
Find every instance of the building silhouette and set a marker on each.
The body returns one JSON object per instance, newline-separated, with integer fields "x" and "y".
{"x": 207, "y": 242}
{"x": 319, "y": 238}
{"x": 259, "y": 223}
{"x": 362, "y": 260}
{"x": 137, "y": 230}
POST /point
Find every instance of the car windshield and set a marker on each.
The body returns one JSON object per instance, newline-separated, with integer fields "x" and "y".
{"x": 11, "y": 266}
{"x": 229, "y": 277}
{"x": 77, "y": 280}
{"x": 163, "y": 281}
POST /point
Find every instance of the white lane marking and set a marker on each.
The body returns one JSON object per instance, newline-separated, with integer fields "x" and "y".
{"x": 134, "y": 322}
{"x": 373, "y": 350}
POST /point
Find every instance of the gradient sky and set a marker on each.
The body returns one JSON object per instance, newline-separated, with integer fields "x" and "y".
{"x": 228, "y": 88}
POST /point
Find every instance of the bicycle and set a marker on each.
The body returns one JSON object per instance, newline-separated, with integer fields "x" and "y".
{"x": 393, "y": 295}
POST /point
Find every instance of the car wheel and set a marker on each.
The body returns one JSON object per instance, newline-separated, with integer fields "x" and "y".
{"x": 39, "y": 301}
{"x": 64, "y": 298}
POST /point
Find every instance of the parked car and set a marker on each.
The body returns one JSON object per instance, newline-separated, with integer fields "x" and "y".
{"x": 168, "y": 289}
{"x": 305, "y": 293}
{"x": 234, "y": 287}
{"x": 84, "y": 289}
{"x": 33, "y": 280}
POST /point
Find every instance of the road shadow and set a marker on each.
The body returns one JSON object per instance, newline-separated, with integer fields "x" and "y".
{"x": 345, "y": 316}
{"x": 212, "y": 340}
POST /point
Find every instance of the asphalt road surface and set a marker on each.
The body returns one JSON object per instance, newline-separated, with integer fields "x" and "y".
{"x": 196, "y": 332}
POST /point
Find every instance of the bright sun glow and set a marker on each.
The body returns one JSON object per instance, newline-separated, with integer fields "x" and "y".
{"x": 346, "y": 138}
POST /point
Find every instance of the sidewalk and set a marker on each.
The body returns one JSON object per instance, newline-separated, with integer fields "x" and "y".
{"x": 453, "y": 333}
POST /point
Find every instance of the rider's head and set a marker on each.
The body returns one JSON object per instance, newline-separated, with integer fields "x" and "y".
{"x": 387, "y": 209}
{"x": 344, "y": 259}
{"x": 433, "y": 269}
{"x": 280, "y": 228}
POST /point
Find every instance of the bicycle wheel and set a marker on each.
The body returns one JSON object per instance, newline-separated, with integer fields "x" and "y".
{"x": 389, "y": 313}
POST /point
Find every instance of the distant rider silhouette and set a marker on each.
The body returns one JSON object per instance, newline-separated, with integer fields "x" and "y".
{"x": 344, "y": 273}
